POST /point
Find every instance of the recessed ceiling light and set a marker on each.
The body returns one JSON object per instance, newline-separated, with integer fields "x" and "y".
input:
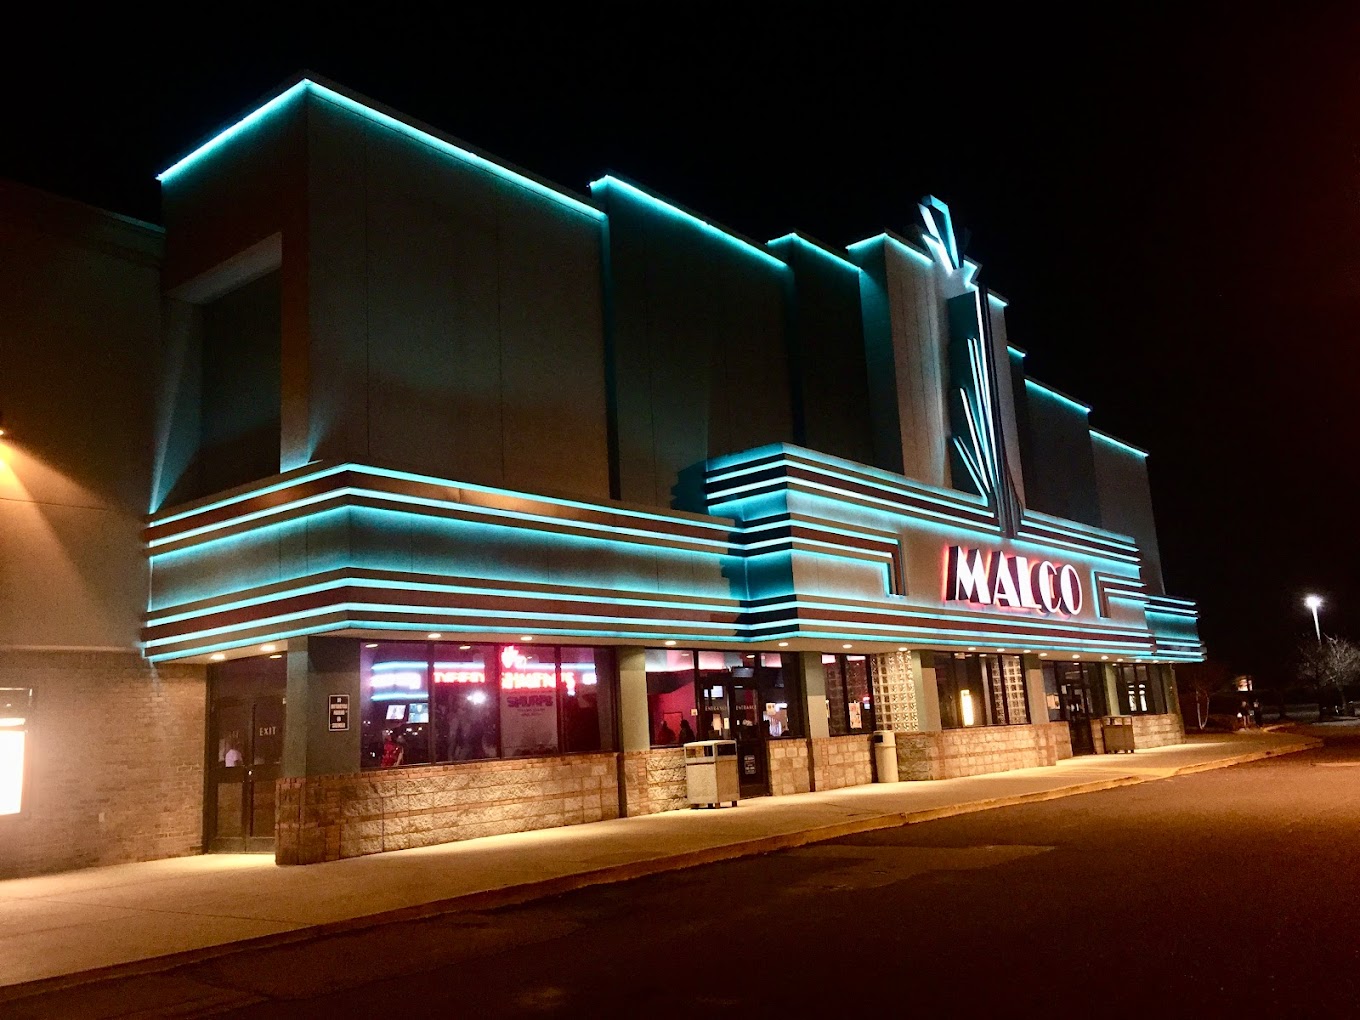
{"x": 1001, "y": 649}
{"x": 526, "y": 637}
{"x": 783, "y": 644}
{"x": 433, "y": 636}
{"x": 1104, "y": 656}
{"x": 670, "y": 642}
{"x": 903, "y": 648}
{"x": 278, "y": 655}
{"x": 267, "y": 648}
{"x": 847, "y": 646}
{"x": 371, "y": 644}
{"x": 217, "y": 656}
{"x": 972, "y": 648}
{"x": 1043, "y": 655}
{"x": 465, "y": 648}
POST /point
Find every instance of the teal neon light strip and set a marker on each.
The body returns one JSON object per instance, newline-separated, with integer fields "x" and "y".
{"x": 1049, "y": 391}
{"x": 242, "y": 125}
{"x": 797, "y": 238}
{"x": 999, "y": 300}
{"x": 407, "y": 476}
{"x": 622, "y": 598}
{"x": 387, "y": 121}
{"x": 922, "y": 257}
{"x": 1016, "y": 352}
{"x": 416, "y": 611}
{"x": 712, "y": 229}
{"x": 1119, "y": 444}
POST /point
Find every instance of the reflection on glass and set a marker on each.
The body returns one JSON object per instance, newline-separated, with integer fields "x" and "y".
{"x": 528, "y": 695}
{"x": 672, "y": 709}
{"x": 466, "y": 719}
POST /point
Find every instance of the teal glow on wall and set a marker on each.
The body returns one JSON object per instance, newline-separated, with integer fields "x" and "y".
{"x": 425, "y": 137}
{"x": 1053, "y": 394}
{"x": 689, "y": 218}
{"x": 1119, "y": 444}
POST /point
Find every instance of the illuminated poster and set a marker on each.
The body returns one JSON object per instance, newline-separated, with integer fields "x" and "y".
{"x": 528, "y": 705}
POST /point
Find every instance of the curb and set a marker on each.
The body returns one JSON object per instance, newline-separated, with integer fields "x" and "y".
{"x": 492, "y": 899}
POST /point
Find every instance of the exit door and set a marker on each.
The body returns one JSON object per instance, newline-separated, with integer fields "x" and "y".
{"x": 748, "y": 730}
{"x": 245, "y": 757}
{"x": 1078, "y": 708}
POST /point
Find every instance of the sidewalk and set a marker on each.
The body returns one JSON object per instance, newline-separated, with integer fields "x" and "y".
{"x": 84, "y": 925}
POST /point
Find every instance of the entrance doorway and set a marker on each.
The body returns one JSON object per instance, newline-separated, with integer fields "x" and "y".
{"x": 749, "y": 731}
{"x": 245, "y": 754}
{"x": 1078, "y": 705}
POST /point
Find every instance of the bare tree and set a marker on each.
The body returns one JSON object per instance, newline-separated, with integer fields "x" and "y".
{"x": 1333, "y": 663}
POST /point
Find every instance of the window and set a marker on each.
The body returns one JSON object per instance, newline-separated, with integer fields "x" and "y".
{"x": 1140, "y": 690}
{"x": 440, "y": 702}
{"x": 1080, "y": 690}
{"x": 16, "y": 704}
{"x": 709, "y": 695}
{"x": 981, "y": 690}
{"x": 849, "y": 695}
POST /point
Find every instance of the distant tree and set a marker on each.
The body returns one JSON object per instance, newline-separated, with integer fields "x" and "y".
{"x": 1332, "y": 664}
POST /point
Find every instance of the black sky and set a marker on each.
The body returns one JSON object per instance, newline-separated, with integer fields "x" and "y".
{"x": 1171, "y": 204}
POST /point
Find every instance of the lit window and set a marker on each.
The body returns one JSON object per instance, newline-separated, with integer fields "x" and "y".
{"x": 15, "y": 710}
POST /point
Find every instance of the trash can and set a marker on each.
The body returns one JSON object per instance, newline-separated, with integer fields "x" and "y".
{"x": 1118, "y": 733}
{"x": 711, "y": 773}
{"x": 885, "y": 756}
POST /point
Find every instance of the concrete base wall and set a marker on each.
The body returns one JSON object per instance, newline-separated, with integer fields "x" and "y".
{"x": 654, "y": 781}
{"x": 1157, "y": 730}
{"x": 327, "y": 818}
{"x": 838, "y": 762}
{"x": 949, "y": 754}
{"x": 790, "y": 765}
{"x": 115, "y": 761}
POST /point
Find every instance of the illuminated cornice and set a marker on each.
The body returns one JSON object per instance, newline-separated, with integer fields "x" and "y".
{"x": 389, "y": 119}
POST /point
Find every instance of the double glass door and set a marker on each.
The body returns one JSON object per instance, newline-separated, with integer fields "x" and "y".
{"x": 732, "y": 711}
{"x": 1078, "y": 707}
{"x": 245, "y": 751}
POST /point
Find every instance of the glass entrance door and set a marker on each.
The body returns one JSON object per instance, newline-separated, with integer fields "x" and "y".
{"x": 749, "y": 731}
{"x": 245, "y": 755}
{"x": 1077, "y": 706}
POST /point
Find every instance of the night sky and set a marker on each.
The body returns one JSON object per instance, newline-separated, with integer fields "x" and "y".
{"x": 1172, "y": 207}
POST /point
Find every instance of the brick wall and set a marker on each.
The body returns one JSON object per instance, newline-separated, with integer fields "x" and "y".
{"x": 838, "y": 762}
{"x": 115, "y": 761}
{"x": 654, "y": 780}
{"x": 790, "y": 766}
{"x": 327, "y": 818}
{"x": 949, "y": 754}
{"x": 1157, "y": 730}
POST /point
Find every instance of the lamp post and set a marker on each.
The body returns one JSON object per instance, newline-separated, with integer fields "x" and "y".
{"x": 1313, "y": 602}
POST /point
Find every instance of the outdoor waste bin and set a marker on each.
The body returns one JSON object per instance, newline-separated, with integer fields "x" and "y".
{"x": 1118, "y": 733}
{"x": 885, "y": 756}
{"x": 711, "y": 773}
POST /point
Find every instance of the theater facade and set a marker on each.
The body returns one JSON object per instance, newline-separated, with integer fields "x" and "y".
{"x": 473, "y": 498}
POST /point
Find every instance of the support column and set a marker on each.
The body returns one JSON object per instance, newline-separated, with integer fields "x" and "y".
{"x": 814, "y": 693}
{"x": 1111, "y": 689}
{"x": 1034, "y": 689}
{"x": 927, "y": 693}
{"x": 317, "y": 668}
{"x": 635, "y": 732}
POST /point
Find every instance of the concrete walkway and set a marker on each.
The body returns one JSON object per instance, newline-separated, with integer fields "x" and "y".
{"x": 85, "y": 925}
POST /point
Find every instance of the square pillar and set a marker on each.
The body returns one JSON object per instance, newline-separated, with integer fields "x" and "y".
{"x": 1034, "y": 689}
{"x": 317, "y": 668}
{"x": 635, "y": 731}
{"x": 927, "y": 693}
{"x": 814, "y": 693}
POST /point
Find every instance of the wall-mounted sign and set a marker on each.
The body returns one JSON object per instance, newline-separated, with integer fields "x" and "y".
{"x": 340, "y": 712}
{"x": 996, "y": 578}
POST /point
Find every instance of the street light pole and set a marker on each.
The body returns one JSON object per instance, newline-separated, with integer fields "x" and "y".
{"x": 1313, "y": 602}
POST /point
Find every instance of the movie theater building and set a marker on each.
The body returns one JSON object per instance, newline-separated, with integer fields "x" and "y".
{"x": 472, "y": 498}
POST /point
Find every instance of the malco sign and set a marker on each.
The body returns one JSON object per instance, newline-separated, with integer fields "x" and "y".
{"x": 996, "y": 578}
